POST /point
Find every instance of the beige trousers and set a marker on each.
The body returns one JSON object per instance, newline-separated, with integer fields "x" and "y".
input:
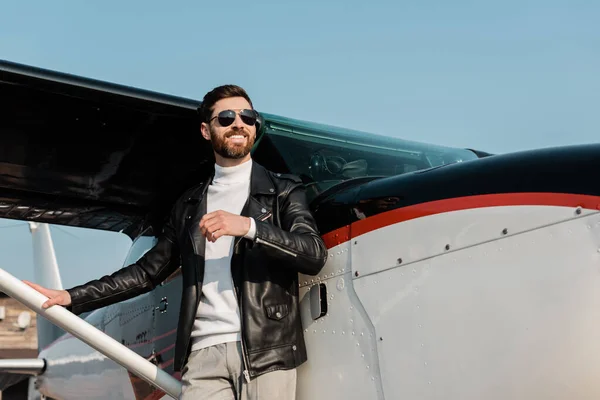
{"x": 215, "y": 373}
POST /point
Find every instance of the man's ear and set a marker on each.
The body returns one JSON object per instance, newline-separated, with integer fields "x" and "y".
{"x": 205, "y": 131}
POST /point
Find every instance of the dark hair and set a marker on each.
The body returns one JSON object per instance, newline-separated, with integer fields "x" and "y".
{"x": 220, "y": 93}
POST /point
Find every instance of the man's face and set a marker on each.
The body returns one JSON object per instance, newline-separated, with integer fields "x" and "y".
{"x": 233, "y": 141}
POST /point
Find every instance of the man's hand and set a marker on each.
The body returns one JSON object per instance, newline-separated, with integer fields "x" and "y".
{"x": 218, "y": 223}
{"x": 59, "y": 297}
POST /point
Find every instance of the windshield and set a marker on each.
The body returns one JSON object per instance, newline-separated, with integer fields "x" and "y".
{"x": 324, "y": 156}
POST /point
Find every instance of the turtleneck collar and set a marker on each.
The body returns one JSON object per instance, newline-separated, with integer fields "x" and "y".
{"x": 232, "y": 175}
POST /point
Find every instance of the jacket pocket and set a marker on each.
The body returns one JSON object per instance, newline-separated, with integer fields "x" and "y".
{"x": 277, "y": 312}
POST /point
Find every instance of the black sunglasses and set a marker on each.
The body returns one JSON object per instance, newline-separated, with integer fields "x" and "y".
{"x": 226, "y": 117}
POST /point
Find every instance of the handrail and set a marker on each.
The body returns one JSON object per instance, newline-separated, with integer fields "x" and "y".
{"x": 90, "y": 335}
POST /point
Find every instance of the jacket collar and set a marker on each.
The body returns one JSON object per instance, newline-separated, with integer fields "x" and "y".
{"x": 260, "y": 183}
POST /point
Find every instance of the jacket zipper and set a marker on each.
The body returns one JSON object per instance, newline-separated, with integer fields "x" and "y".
{"x": 259, "y": 240}
{"x": 244, "y": 360}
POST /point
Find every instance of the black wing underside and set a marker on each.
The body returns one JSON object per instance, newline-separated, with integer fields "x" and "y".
{"x": 90, "y": 154}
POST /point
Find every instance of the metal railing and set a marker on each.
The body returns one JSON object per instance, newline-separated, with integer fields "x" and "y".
{"x": 87, "y": 333}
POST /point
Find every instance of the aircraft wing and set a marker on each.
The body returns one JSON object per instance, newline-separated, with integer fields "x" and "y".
{"x": 86, "y": 153}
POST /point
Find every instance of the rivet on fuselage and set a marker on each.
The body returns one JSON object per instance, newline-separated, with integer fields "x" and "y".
{"x": 504, "y": 231}
{"x": 578, "y": 210}
{"x": 447, "y": 247}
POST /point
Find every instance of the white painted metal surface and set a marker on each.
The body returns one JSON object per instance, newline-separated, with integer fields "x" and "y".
{"x": 342, "y": 354}
{"x": 44, "y": 257}
{"x": 47, "y": 274}
{"x": 514, "y": 318}
{"x": 427, "y": 237}
{"x": 498, "y": 316}
{"x": 77, "y": 370}
{"x": 90, "y": 335}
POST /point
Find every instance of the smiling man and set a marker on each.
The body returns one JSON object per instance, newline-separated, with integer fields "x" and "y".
{"x": 241, "y": 238}
{"x": 223, "y": 341}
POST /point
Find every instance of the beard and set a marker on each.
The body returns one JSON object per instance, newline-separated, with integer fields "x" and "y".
{"x": 223, "y": 147}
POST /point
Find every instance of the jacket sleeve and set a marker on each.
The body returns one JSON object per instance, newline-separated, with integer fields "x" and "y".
{"x": 150, "y": 270}
{"x": 297, "y": 244}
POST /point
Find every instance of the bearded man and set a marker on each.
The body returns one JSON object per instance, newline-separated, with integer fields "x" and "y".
{"x": 240, "y": 238}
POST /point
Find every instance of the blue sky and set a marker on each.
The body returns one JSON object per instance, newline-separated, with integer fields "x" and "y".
{"x": 502, "y": 76}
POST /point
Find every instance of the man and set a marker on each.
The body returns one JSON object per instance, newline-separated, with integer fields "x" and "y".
{"x": 241, "y": 239}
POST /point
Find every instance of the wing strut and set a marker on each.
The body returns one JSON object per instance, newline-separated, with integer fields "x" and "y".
{"x": 47, "y": 274}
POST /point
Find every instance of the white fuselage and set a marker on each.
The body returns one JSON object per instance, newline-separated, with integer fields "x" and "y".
{"x": 481, "y": 303}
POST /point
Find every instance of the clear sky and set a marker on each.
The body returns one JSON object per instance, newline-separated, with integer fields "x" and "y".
{"x": 497, "y": 76}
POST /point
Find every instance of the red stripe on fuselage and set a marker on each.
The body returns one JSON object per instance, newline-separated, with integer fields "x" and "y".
{"x": 407, "y": 213}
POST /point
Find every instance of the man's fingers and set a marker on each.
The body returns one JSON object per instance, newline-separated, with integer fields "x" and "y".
{"x": 50, "y": 302}
{"x": 39, "y": 288}
{"x": 214, "y": 225}
{"x": 207, "y": 224}
{"x": 60, "y": 300}
{"x": 211, "y": 226}
{"x": 217, "y": 235}
{"x": 47, "y": 304}
{"x": 33, "y": 285}
{"x": 54, "y": 296}
{"x": 208, "y": 217}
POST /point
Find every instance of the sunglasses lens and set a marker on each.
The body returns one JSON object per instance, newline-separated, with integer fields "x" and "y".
{"x": 226, "y": 117}
{"x": 248, "y": 116}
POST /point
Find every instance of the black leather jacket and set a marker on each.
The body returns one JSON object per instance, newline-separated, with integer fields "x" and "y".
{"x": 265, "y": 270}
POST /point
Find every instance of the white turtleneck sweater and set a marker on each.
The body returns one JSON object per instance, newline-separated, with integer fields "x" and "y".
{"x": 218, "y": 317}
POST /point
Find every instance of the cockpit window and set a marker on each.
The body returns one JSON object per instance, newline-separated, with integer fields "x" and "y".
{"x": 324, "y": 156}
